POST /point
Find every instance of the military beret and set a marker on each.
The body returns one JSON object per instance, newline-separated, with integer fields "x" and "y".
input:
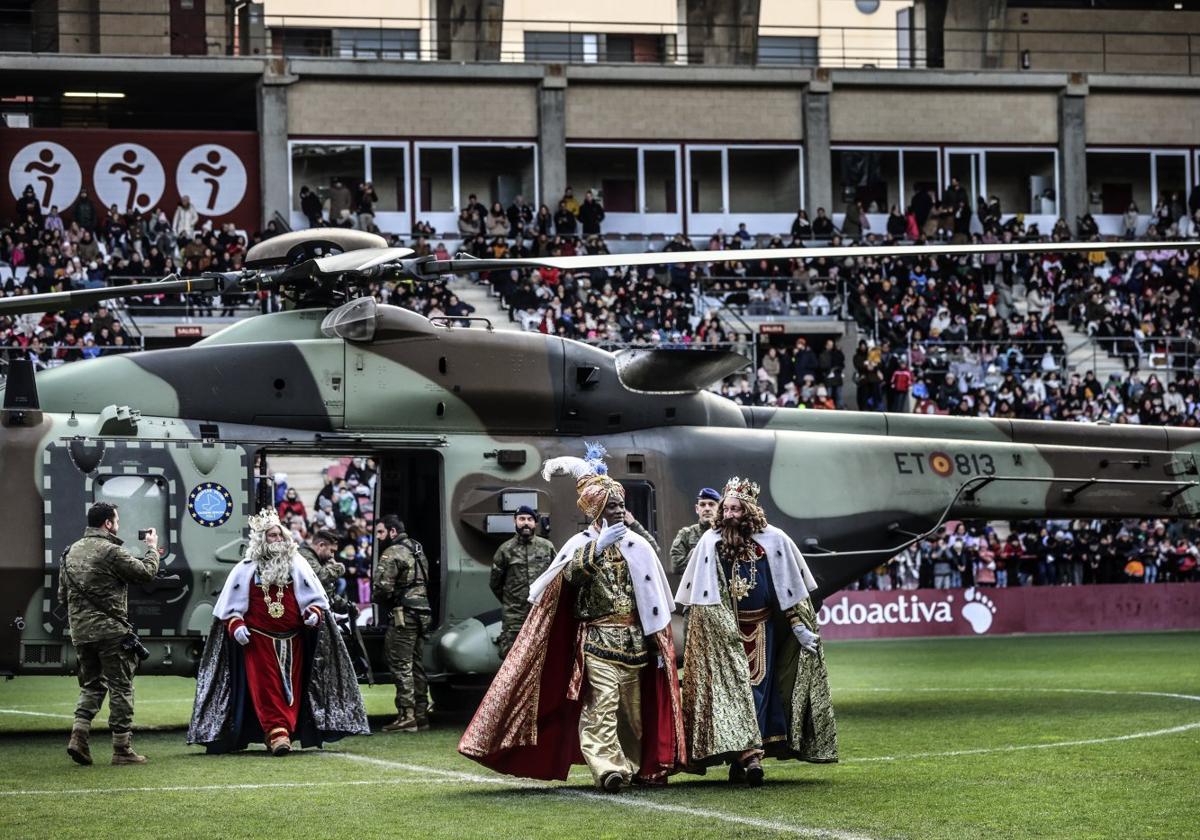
{"x": 708, "y": 493}
{"x": 525, "y": 510}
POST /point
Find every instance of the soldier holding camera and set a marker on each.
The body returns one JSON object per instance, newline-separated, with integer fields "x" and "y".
{"x": 94, "y": 577}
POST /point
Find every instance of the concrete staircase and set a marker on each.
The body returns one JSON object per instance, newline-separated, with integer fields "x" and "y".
{"x": 486, "y": 303}
{"x": 1084, "y": 354}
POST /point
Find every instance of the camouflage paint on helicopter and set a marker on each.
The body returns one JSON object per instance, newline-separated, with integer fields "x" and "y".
{"x": 460, "y": 420}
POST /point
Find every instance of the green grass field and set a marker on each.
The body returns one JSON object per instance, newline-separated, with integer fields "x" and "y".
{"x": 1059, "y": 736}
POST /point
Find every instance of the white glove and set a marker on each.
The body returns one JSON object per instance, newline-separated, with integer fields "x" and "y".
{"x": 610, "y": 534}
{"x": 807, "y": 638}
{"x": 313, "y": 618}
{"x": 241, "y": 635}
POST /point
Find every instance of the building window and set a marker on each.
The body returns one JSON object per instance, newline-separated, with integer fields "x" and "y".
{"x": 764, "y": 180}
{"x": 302, "y": 42}
{"x": 399, "y": 44}
{"x": 611, "y": 174}
{"x": 871, "y": 176}
{"x": 586, "y": 48}
{"x": 564, "y": 47}
{"x": 389, "y": 177}
{"x": 1022, "y": 181}
{"x": 880, "y": 178}
{"x": 318, "y": 165}
{"x": 1120, "y": 177}
{"x": 637, "y": 49}
{"x": 787, "y": 50}
{"x": 758, "y": 185}
{"x": 435, "y": 176}
{"x": 496, "y": 173}
{"x": 705, "y": 167}
{"x": 661, "y": 189}
{"x": 626, "y": 179}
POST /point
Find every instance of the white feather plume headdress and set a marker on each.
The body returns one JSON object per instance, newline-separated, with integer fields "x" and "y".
{"x": 567, "y": 465}
{"x": 592, "y": 480}
{"x": 592, "y": 463}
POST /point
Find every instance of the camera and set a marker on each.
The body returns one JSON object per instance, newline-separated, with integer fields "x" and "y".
{"x": 131, "y": 642}
{"x": 143, "y": 533}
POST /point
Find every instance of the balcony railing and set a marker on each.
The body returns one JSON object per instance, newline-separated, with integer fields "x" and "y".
{"x": 348, "y": 36}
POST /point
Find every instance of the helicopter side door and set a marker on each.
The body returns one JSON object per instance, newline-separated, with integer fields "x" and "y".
{"x": 193, "y": 493}
{"x": 410, "y": 486}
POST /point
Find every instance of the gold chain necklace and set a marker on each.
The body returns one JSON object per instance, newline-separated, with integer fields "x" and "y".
{"x": 274, "y": 608}
{"x": 617, "y": 572}
{"x": 738, "y": 585}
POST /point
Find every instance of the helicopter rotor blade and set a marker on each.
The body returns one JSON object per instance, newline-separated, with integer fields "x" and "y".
{"x": 366, "y": 261}
{"x": 471, "y": 264}
{"x": 55, "y": 301}
{"x": 361, "y": 259}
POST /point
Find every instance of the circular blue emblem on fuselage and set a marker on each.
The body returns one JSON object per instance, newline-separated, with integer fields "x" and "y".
{"x": 210, "y": 504}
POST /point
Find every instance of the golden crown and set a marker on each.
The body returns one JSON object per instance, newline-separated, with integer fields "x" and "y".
{"x": 741, "y": 488}
{"x": 264, "y": 519}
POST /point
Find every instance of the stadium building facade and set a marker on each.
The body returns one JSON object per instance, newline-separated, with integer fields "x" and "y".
{"x": 668, "y": 142}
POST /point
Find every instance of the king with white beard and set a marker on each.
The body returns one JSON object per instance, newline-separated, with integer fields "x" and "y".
{"x": 267, "y": 602}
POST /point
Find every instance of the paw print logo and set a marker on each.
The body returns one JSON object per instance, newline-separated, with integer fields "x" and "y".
{"x": 978, "y": 609}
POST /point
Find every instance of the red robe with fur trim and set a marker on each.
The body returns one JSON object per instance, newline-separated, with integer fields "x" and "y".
{"x": 528, "y": 722}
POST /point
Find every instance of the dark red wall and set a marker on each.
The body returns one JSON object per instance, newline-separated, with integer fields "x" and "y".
{"x": 220, "y": 174}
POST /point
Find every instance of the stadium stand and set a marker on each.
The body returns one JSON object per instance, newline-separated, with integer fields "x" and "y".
{"x": 968, "y": 336}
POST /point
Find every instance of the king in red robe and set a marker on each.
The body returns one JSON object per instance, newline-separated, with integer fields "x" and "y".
{"x": 274, "y": 659}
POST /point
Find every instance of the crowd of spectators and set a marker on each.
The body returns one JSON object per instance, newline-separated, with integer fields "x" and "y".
{"x": 980, "y": 335}
{"x": 1046, "y": 553}
{"x": 973, "y": 335}
{"x": 482, "y": 226}
{"x": 344, "y": 506}
{"x": 85, "y": 249}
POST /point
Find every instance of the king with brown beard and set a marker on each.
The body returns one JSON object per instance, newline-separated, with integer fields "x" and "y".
{"x": 754, "y": 682}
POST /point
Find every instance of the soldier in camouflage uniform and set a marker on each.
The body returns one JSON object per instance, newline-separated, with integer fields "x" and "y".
{"x": 400, "y": 582}
{"x": 319, "y": 554}
{"x": 706, "y": 511}
{"x": 517, "y": 563}
{"x": 640, "y": 529}
{"x": 93, "y": 581}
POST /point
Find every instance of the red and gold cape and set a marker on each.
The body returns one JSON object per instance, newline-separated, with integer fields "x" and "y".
{"x": 528, "y": 722}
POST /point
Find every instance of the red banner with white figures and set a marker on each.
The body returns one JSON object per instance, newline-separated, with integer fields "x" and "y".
{"x": 136, "y": 170}
{"x": 994, "y": 612}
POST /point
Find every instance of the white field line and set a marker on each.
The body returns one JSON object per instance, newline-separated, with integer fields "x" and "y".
{"x": 928, "y": 690}
{"x": 222, "y": 788}
{"x": 35, "y": 714}
{"x": 1174, "y": 730}
{"x": 70, "y": 704}
{"x": 637, "y": 802}
{"x": 1019, "y": 747}
{"x": 460, "y": 777}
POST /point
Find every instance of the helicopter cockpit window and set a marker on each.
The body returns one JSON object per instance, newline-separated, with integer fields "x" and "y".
{"x": 142, "y": 501}
{"x": 355, "y": 321}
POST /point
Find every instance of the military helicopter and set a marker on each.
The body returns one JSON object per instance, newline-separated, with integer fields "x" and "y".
{"x": 460, "y": 421}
